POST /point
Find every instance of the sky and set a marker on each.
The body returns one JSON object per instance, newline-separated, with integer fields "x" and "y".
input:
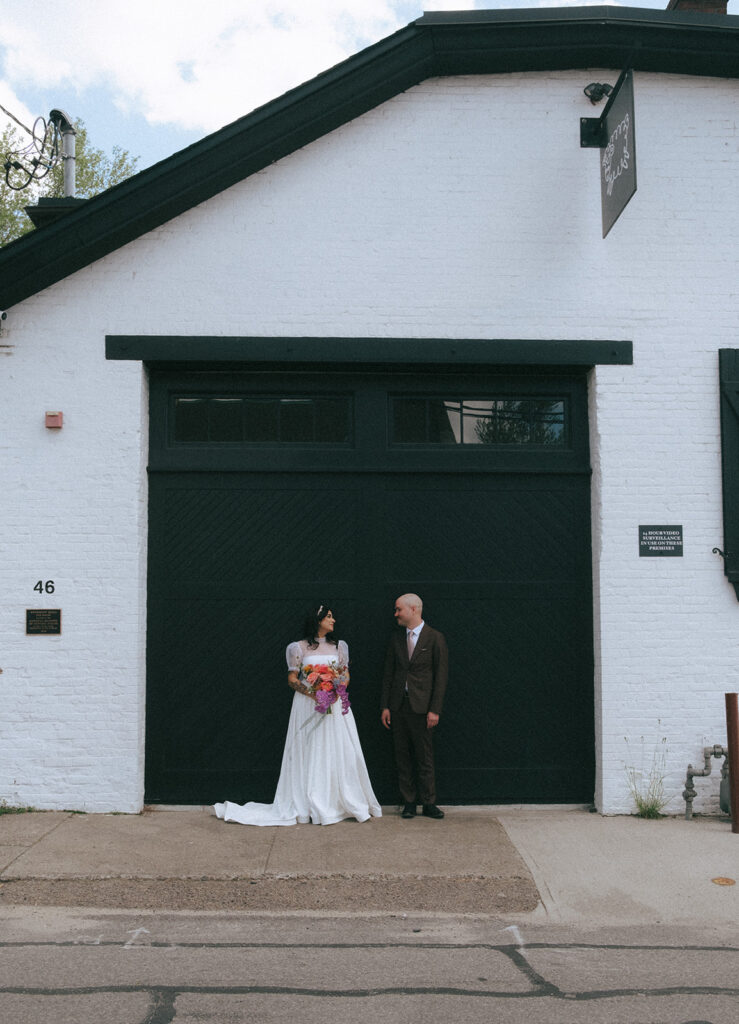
{"x": 154, "y": 76}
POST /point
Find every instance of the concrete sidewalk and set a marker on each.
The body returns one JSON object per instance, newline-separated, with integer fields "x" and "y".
{"x": 587, "y": 869}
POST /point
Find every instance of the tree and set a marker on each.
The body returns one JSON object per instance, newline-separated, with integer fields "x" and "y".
{"x": 13, "y": 221}
{"x": 95, "y": 171}
{"x": 522, "y": 421}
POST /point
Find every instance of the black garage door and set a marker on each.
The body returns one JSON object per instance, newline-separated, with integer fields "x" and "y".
{"x": 269, "y": 492}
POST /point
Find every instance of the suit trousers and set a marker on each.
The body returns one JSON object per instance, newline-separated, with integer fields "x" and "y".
{"x": 414, "y": 755}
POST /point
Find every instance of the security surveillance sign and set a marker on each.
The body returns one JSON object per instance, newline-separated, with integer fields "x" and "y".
{"x": 613, "y": 133}
{"x": 660, "y": 541}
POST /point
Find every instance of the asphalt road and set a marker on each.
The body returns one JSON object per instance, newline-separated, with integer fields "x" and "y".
{"x": 79, "y": 966}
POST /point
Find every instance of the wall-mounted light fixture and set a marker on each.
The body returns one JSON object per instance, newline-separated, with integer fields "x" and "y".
{"x": 597, "y": 90}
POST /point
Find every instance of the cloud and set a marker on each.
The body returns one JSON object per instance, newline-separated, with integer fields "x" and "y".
{"x": 449, "y": 5}
{"x": 192, "y": 66}
{"x": 10, "y": 100}
{"x": 182, "y": 62}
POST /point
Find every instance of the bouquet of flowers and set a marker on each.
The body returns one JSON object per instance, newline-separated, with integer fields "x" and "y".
{"x": 328, "y": 684}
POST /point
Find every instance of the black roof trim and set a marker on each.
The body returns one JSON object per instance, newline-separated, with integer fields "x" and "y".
{"x": 470, "y": 42}
{"x": 639, "y": 15}
{"x": 266, "y": 351}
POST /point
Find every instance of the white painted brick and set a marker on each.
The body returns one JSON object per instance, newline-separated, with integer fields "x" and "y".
{"x": 462, "y": 208}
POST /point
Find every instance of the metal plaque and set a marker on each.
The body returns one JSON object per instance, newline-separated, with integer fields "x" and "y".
{"x": 43, "y": 621}
{"x": 661, "y": 541}
{"x": 618, "y": 152}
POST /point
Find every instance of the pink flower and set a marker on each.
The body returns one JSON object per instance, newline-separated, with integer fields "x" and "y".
{"x": 327, "y": 685}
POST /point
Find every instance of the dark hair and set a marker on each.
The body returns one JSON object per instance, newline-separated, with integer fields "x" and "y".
{"x": 312, "y": 618}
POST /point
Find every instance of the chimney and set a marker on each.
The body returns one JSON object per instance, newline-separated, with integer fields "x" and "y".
{"x": 48, "y": 209}
{"x": 699, "y": 6}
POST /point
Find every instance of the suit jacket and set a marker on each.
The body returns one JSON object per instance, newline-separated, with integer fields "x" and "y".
{"x": 426, "y": 673}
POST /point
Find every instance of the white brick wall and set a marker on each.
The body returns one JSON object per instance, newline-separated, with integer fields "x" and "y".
{"x": 462, "y": 208}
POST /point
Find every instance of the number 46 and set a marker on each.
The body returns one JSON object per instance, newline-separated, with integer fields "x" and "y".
{"x": 45, "y": 588}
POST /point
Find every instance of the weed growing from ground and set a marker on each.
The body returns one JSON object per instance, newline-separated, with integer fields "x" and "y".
{"x": 648, "y": 788}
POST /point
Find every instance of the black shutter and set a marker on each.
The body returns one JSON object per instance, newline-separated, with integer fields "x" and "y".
{"x": 729, "y": 374}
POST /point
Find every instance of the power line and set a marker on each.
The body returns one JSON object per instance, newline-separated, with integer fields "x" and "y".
{"x": 33, "y": 161}
{"x": 14, "y": 118}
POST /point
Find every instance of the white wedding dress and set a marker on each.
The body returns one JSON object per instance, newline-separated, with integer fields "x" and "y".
{"x": 323, "y": 778}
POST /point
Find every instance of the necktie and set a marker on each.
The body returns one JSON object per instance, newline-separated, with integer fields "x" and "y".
{"x": 411, "y": 640}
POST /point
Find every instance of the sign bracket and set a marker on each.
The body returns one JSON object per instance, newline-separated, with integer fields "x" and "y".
{"x": 593, "y": 134}
{"x": 613, "y": 134}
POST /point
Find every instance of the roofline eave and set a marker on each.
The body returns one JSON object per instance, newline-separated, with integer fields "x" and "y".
{"x": 470, "y": 42}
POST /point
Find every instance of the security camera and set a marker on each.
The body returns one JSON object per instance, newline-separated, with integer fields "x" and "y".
{"x": 596, "y": 91}
{"x": 3, "y": 315}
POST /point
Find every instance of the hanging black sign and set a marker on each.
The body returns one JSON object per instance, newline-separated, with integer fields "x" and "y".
{"x": 618, "y": 156}
{"x": 660, "y": 541}
{"x": 613, "y": 133}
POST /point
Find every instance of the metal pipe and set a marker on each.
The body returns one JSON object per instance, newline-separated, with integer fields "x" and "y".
{"x": 724, "y": 788}
{"x": 732, "y": 736}
{"x": 689, "y": 793}
{"x": 69, "y": 159}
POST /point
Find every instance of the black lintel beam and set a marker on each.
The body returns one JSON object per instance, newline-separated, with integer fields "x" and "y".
{"x": 352, "y": 351}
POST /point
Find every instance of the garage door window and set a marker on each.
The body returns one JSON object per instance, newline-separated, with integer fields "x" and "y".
{"x": 263, "y": 419}
{"x": 478, "y": 421}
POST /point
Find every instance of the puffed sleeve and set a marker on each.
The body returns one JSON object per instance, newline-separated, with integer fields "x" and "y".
{"x": 294, "y": 656}
{"x": 343, "y": 653}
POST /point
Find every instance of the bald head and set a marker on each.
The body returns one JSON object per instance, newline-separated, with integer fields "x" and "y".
{"x": 409, "y": 611}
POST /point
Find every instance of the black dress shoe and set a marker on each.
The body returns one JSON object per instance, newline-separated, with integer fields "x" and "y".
{"x": 409, "y": 811}
{"x": 432, "y": 811}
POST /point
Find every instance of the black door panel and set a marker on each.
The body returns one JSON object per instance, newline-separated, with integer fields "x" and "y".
{"x": 502, "y": 560}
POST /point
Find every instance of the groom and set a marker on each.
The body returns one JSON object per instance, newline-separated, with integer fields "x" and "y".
{"x": 413, "y": 685}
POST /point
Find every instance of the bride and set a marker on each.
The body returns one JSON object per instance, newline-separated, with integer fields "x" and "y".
{"x": 323, "y": 778}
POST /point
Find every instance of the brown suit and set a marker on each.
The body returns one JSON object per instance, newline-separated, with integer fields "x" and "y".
{"x": 425, "y": 677}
